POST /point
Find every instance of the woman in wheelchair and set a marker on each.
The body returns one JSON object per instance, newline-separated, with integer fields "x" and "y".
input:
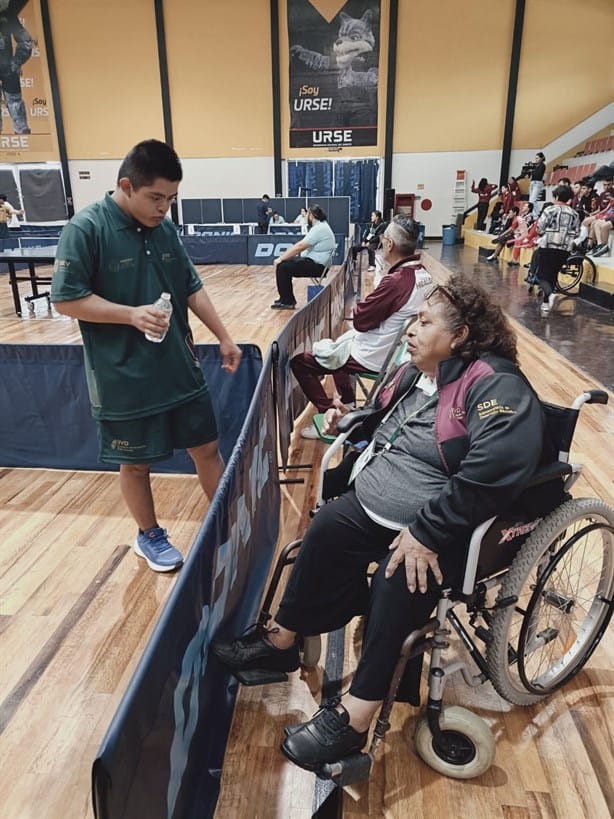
{"x": 456, "y": 435}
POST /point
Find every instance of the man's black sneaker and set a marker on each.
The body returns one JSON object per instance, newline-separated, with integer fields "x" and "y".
{"x": 280, "y": 305}
{"x": 254, "y": 651}
{"x": 327, "y": 737}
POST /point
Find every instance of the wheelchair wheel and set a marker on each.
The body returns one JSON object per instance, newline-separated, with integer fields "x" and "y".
{"x": 474, "y": 745}
{"x": 310, "y": 650}
{"x": 563, "y": 582}
{"x": 576, "y": 269}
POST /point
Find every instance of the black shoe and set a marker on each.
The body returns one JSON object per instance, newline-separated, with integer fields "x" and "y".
{"x": 254, "y": 651}
{"x": 327, "y": 737}
{"x": 280, "y": 305}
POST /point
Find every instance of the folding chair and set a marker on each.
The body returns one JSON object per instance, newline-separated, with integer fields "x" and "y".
{"x": 396, "y": 355}
{"x": 316, "y": 281}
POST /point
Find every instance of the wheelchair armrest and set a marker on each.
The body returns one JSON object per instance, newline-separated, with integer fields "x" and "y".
{"x": 550, "y": 472}
{"x": 353, "y": 419}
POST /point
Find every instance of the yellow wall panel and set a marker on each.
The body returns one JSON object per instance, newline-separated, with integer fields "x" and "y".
{"x": 107, "y": 65}
{"x": 452, "y": 72}
{"x": 219, "y": 59}
{"x": 565, "y": 69}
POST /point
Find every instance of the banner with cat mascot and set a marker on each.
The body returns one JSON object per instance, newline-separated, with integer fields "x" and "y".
{"x": 333, "y": 73}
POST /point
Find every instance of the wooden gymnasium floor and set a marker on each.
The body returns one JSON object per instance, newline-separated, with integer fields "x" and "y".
{"x": 76, "y": 609}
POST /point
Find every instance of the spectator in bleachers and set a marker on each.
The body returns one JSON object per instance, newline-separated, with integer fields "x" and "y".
{"x": 506, "y": 236}
{"x": 536, "y": 170}
{"x": 587, "y": 209}
{"x": 601, "y": 229}
{"x": 607, "y": 191}
{"x": 484, "y": 191}
{"x": 496, "y": 218}
{"x": 564, "y": 180}
{"x": 576, "y": 188}
{"x": 514, "y": 189}
{"x": 508, "y": 200}
{"x": 526, "y": 221}
{"x": 558, "y": 225}
{"x": 277, "y": 219}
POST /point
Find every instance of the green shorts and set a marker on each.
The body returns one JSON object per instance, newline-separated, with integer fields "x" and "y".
{"x": 145, "y": 440}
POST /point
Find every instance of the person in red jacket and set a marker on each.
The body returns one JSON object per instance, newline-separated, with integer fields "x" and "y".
{"x": 484, "y": 191}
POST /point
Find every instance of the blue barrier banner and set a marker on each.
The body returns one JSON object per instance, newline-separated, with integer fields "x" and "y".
{"x": 216, "y": 249}
{"x": 263, "y": 249}
{"x": 162, "y": 755}
{"x": 45, "y": 416}
{"x": 322, "y": 317}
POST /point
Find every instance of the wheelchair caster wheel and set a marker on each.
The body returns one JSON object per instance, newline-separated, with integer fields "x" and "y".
{"x": 469, "y": 748}
{"x": 310, "y": 651}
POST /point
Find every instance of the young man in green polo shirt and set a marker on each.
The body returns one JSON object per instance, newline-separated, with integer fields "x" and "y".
{"x": 114, "y": 259}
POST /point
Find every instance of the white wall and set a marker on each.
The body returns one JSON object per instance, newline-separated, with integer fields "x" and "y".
{"x": 437, "y": 174}
{"x": 202, "y": 178}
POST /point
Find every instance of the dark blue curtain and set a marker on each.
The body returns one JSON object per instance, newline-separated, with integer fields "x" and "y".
{"x": 317, "y": 177}
{"x": 357, "y": 178}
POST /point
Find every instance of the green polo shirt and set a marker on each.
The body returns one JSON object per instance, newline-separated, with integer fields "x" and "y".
{"x": 105, "y": 252}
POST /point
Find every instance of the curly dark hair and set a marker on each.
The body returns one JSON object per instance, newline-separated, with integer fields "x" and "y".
{"x": 468, "y": 304}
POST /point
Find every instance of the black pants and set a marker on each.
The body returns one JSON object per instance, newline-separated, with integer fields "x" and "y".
{"x": 328, "y": 587}
{"x": 300, "y": 268}
{"x": 356, "y": 249}
{"x": 482, "y": 213}
{"x": 262, "y": 227}
{"x": 549, "y": 263}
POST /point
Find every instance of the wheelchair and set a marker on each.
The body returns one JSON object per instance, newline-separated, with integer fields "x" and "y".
{"x": 538, "y": 595}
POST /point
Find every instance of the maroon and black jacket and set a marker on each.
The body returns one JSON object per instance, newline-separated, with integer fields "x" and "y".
{"x": 489, "y": 427}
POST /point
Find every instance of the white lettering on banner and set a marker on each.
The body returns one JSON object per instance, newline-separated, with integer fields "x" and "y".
{"x": 332, "y": 137}
{"x": 17, "y": 141}
{"x": 323, "y": 104}
{"x": 265, "y": 249}
{"x": 26, "y": 82}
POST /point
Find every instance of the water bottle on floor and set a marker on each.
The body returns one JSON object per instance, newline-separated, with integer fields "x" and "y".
{"x": 163, "y": 303}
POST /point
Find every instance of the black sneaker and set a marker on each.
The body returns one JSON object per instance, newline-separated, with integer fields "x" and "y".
{"x": 254, "y": 651}
{"x": 327, "y": 737}
{"x": 280, "y": 305}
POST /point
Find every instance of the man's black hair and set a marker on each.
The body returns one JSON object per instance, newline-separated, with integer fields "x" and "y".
{"x": 317, "y": 211}
{"x": 562, "y": 193}
{"x": 149, "y": 160}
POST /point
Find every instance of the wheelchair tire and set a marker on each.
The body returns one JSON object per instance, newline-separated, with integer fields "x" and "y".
{"x": 469, "y": 730}
{"x": 310, "y": 651}
{"x": 563, "y": 582}
{"x": 577, "y": 268}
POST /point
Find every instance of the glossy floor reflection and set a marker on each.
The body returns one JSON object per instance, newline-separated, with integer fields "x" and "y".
{"x": 580, "y": 331}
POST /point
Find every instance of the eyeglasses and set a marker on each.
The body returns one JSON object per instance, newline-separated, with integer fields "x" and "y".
{"x": 450, "y": 296}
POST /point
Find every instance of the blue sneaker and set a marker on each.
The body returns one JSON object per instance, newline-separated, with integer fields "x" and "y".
{"x": 160, "y": 554}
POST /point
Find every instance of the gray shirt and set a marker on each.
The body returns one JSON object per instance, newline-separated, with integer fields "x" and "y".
{"x": 406, "y": 470}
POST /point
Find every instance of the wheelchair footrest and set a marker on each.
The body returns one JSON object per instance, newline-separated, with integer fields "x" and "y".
{"x": 260, "y": 676}
{"x": 352, "y": 769}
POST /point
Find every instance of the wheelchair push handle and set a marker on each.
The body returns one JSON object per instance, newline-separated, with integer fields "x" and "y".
{"x": 353, "y": 419}
{"x": 590, "y": 397}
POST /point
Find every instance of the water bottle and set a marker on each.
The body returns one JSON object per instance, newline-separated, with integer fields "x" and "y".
{"x": 163, "y": 303}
